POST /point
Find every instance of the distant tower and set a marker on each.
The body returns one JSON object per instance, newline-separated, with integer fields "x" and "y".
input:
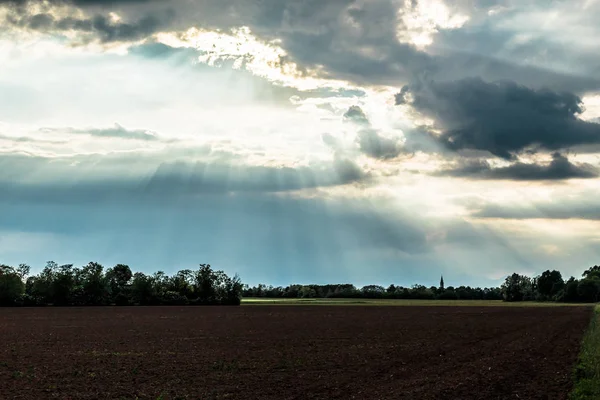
{"x": 442, "y": 283}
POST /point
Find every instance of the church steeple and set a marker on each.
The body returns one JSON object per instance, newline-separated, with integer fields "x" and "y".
{"x": 442, "y": 283}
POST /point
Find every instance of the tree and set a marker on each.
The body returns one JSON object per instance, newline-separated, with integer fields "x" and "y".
{"x": 183, "y": 283}
{"x": 205, "y": 284}
{"x": 23, "y": 271}
{"x": 588, "y": 289}
{"x": 391, "y": 291}
{"x": 118, "y": 279}
{"x": 422, "y": 292}
{"x": 142, "y": 289}
{"x": 232, "y": 294}
{"x": 63, "y": 285}
{"x": 448, "y": 294}
{"x": 93, "y": 284}
{"x": 160, "y": 283}
{"x": 570, "y": 290}
{"x": 306, "y": 292}
{"x": 11, "y": 286}
{"x": 549, "y": 284}
{"x": 373, "y": 291}
{"x": 517, "y": 288}
{"x": 593, "y": 271}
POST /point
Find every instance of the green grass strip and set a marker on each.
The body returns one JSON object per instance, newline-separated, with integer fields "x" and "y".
{"x": 587, "y": 370}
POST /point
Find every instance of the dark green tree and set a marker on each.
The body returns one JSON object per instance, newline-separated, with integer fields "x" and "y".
{"x": 593, "y": 271}
{"x": 142, "y": 289}
{"x": 118, "y": 280}
{"x": 63, "y": 285}
{"x": 570, "y": 291}
{"x": 93, "y": 284}
{"x": 588, "y": 289}
{"x": 549, "y": 284}
{"x": 205, "y": 285}
{"x": 391, "y": 291}
{"x": 517, "y": 288}
{"x": 12, "y": 287}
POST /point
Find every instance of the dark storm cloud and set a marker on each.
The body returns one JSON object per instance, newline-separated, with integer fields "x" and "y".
{"x": 358, "y": 42}
{"x": 503, "y": 118}
{"x": 100, "y": 25}
{"x": 560, "y": 168}
{"x": 336, "y": 39}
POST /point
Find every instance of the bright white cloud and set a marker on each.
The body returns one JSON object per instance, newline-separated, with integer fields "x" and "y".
{"x": 420, "y": 21}
{"x": 241, "y": 50}
{"x": 591, "y": 103}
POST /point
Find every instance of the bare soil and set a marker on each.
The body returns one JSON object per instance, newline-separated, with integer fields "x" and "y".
{"x": 295, "y": 352}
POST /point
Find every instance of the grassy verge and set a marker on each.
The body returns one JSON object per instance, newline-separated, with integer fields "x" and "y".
{"x": 397, "y": 302}
{"x": 587, "y": 370}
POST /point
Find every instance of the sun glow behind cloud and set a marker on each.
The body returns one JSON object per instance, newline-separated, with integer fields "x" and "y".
{"x": 240, "y": 49}
{"x": 420, "y": 21}
{"x": 591, "y": 104}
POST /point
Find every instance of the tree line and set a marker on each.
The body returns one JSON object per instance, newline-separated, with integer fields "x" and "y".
{"x": 66, "y": 285}
{"x": 92, "y": 285}
{"x": 550, "y": 286}
{"x": 417, "y": 292}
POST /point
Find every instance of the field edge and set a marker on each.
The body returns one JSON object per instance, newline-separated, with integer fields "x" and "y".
{"x": 261, "y": 301}
{"x": 586, "y": 380}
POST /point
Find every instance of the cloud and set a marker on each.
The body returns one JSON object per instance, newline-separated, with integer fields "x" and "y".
{"x": 370, "y": 141}
{"x": 357, "y": 115}
{"x": 102, "y": 27}
{"x": 79, "y": 3}
{"x": 374, "y": 145}
{"x": 154, "y": 50}
{"x": 26, "y": 139}
{"x": 271, "y": 238}
{"x": 180, "y": 211}
{"x": 330, "y": 140}
{"x": 521, "y": 35}
{"x": 560, "y": 168}
{"x": 361, "y": 42}
{"x": 503, "y": 118}
{"x": 579, "y": 207}
{"x": 154, "y": 176}
{"x": 117, "y": 131}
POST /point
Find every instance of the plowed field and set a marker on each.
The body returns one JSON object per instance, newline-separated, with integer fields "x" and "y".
{"x": 295, "y": 352}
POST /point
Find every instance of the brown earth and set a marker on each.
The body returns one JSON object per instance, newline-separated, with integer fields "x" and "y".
{"x": 289, "y": 352}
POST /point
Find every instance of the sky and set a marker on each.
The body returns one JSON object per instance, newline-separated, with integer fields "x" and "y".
{"x": 302, "y": 141}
